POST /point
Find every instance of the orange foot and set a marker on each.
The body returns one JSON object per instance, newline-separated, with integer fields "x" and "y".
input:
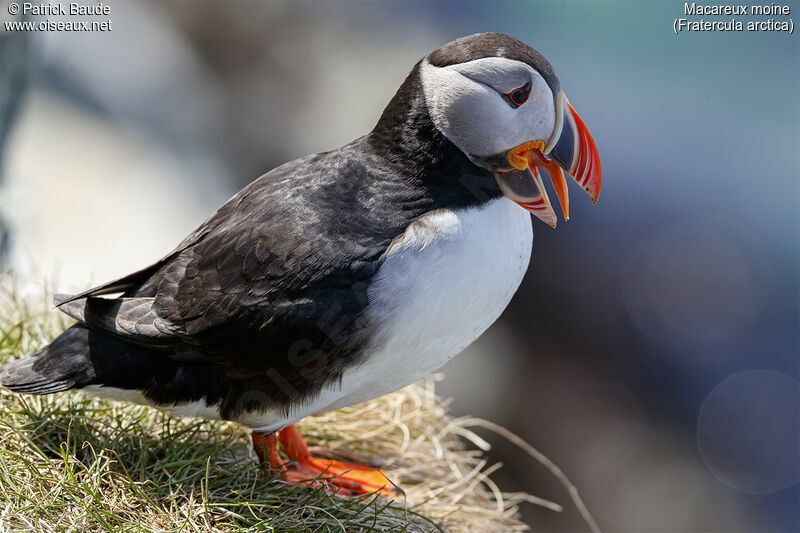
{"x": 345, "y": 479}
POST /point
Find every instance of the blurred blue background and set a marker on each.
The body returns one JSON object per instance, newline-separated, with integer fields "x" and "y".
{"x": 652, "y": 351}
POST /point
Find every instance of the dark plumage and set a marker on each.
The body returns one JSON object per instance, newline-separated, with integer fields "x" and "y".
{"x": 262, "y": 304}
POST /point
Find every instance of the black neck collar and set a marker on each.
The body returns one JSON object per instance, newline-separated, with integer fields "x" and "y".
{"x": 406, "y": 138}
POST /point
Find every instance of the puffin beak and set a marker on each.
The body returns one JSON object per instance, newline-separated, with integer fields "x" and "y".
{"x": 570, "y": 148}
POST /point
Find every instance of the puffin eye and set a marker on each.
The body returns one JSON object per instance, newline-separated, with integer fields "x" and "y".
{"x": 518, "y": 96}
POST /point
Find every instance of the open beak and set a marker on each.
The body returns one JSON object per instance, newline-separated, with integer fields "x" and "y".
{"x": 571, "y": 148}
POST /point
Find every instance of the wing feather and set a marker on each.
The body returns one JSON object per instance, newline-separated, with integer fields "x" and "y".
{"x": 133, "y": 319}
{"x": 278, "y": 272}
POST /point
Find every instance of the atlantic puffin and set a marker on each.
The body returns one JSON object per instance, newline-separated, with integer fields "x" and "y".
{"x": 340, "y": 276}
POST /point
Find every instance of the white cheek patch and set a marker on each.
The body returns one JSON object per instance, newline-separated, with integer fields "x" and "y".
{"x": 466, "y": 106}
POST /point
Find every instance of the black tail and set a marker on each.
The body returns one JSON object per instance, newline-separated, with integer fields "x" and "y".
{"x": 81, "y": 357}
{"x": 62, "y": 365}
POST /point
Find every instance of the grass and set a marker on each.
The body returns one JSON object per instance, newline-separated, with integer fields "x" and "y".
{"x": 71, "y": 463}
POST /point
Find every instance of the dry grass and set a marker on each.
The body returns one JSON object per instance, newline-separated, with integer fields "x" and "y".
{"x": 70, "y": 463}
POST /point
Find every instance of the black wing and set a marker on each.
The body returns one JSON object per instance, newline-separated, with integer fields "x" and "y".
{"x": 275, "y": 280}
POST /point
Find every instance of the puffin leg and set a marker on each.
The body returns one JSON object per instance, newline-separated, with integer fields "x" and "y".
{"x": 351, "y": 479}
{"x": 266, "y": 448}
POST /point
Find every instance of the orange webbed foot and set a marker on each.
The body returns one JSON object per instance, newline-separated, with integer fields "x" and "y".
{"x": 343, "y": 479}
{"x": 340, "y": 478}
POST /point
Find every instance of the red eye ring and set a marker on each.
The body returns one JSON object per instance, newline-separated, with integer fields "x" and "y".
{"x": 518, "y": 96}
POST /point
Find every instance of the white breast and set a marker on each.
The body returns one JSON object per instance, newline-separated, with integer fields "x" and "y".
{"x": 444, "y": 282}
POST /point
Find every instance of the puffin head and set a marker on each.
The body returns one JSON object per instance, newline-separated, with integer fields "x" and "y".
{"x": 499, "y": 102}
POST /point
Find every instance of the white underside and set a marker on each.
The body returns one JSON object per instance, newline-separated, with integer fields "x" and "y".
{"x": 443, "y": 283}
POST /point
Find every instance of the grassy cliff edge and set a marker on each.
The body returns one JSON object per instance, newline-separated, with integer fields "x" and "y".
{"x": 71, "y": 463}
